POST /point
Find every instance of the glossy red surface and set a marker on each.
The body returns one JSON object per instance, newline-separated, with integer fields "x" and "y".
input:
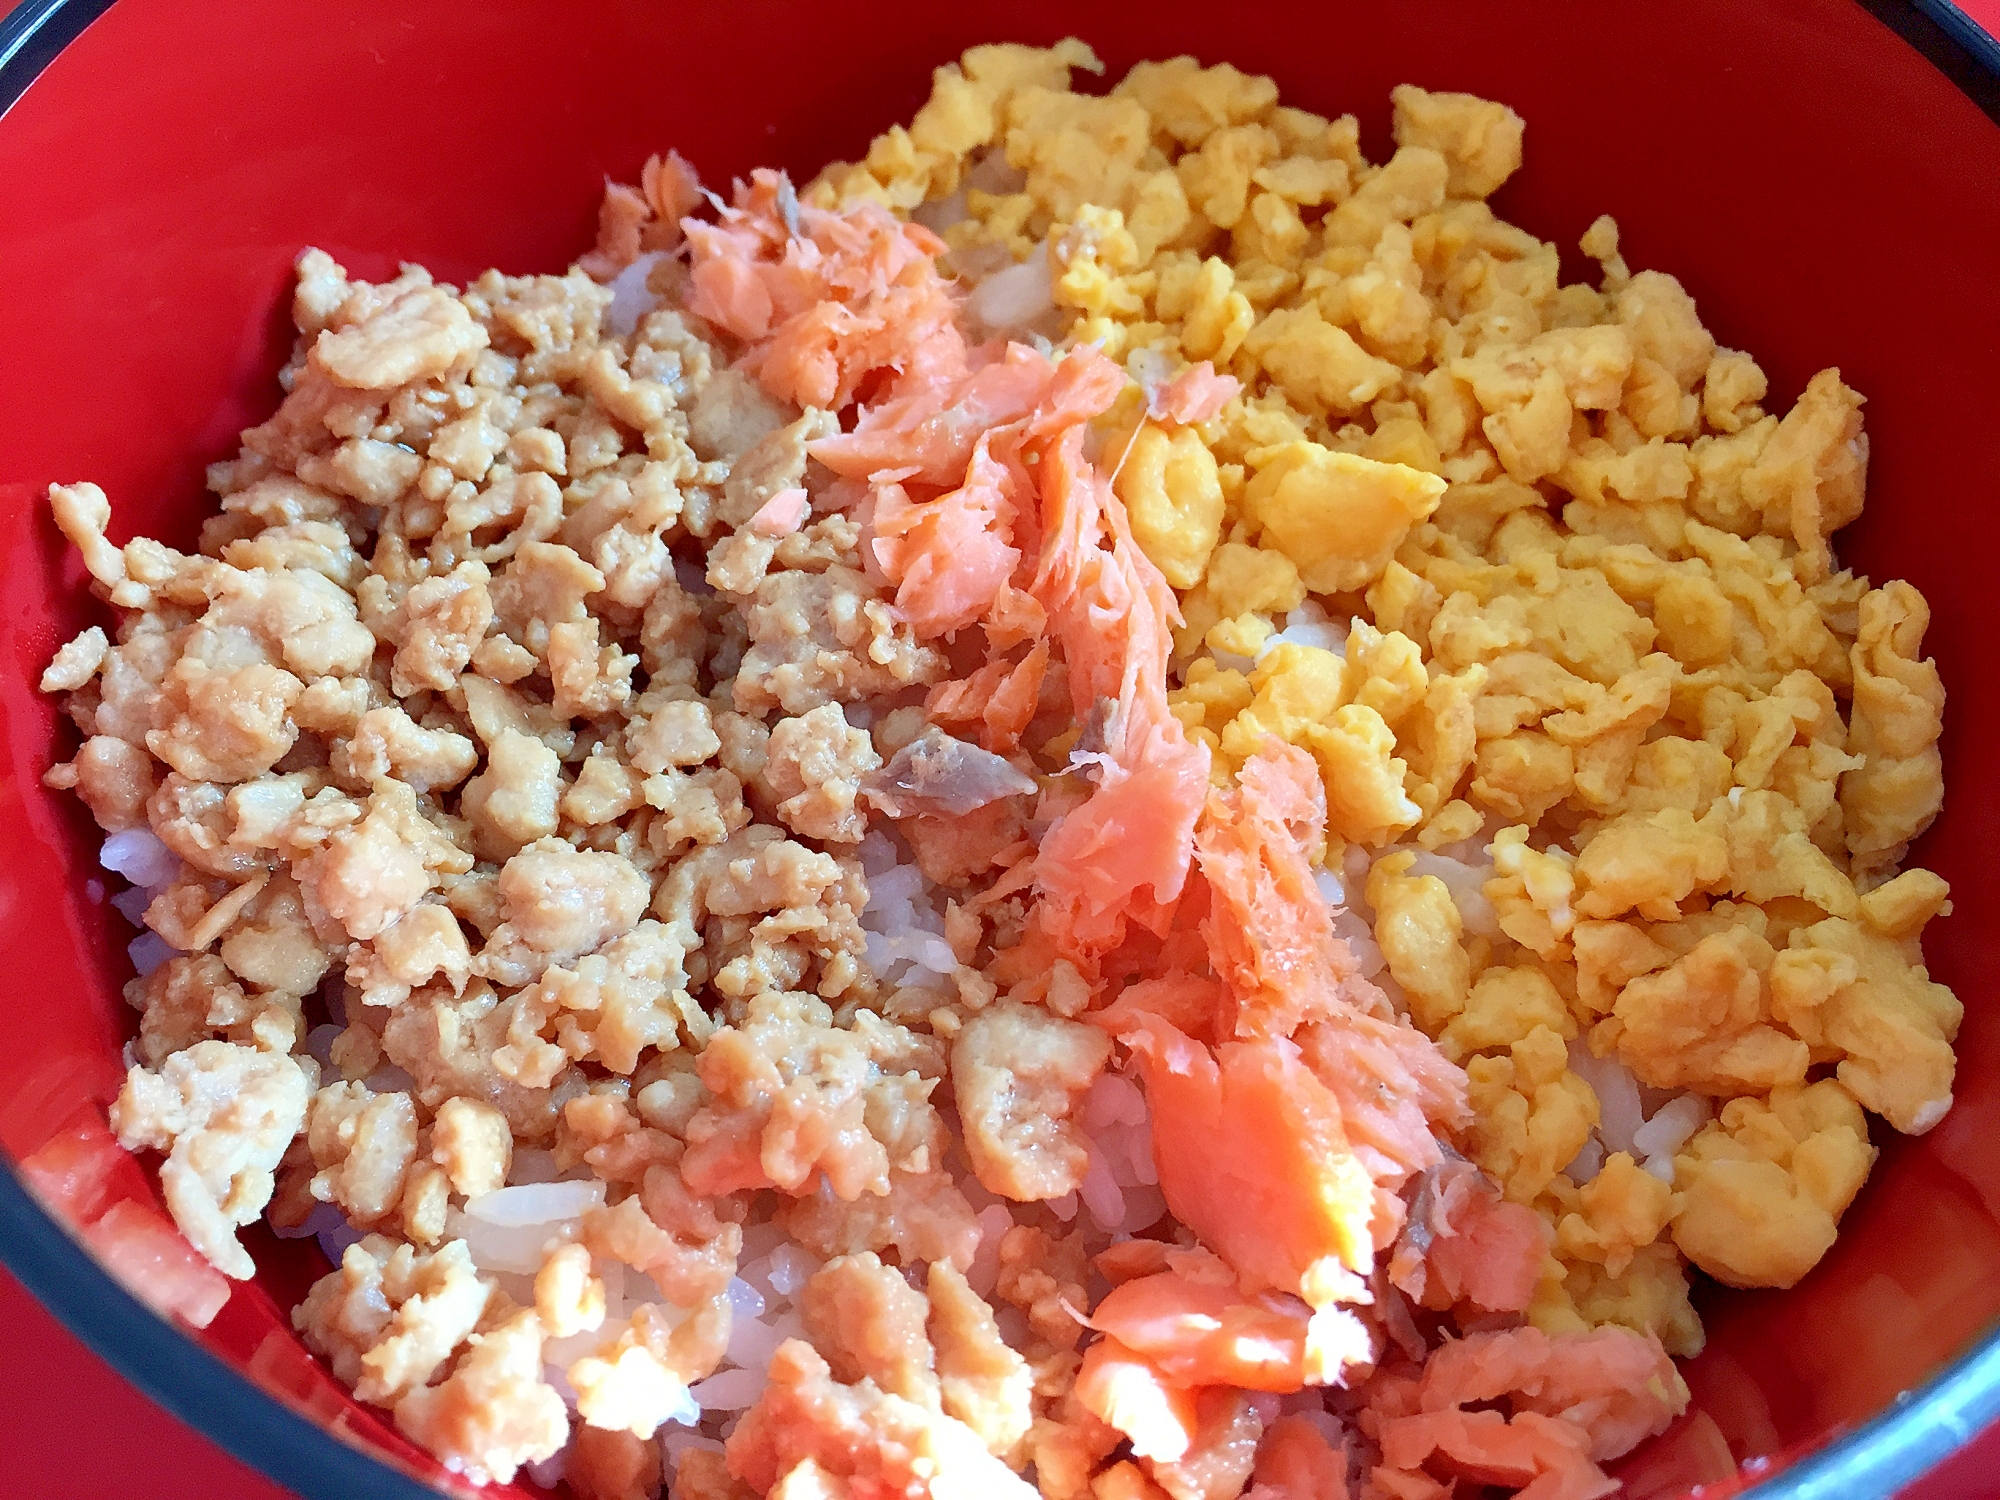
{"x": 61, "y": 1404}
{"x": 1821, "y": 190}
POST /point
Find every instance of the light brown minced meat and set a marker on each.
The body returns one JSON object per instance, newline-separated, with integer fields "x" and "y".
{"x": 476, "y": 725}
{"x": 610, "y": 853}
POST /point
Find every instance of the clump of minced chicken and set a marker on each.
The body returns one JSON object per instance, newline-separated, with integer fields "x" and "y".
{"x": 1109, "y": 806}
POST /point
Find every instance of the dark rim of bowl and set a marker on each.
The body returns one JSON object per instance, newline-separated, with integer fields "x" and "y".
{"x": 1919, "y": 1429}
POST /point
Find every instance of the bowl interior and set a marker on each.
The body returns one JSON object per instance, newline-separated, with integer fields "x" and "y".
{"x": 1824, "y": 193}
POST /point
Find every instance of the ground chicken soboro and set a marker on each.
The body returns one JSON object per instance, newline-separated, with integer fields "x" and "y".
{"x": 1114, "y": 665}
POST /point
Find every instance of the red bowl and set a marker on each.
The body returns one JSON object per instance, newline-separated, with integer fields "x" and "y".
{"x": 1825, "y": 191}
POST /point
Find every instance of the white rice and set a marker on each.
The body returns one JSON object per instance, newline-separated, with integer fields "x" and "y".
{"x": 731, "y": 1389}
{"x": 745, "y": 1301}
{"x": 1151, "y": 368}
{"x": 939, "y": 214}
{"x": 131, "y": 904}
{"x": 335, "y": 1238}
{"x": 1120, "y": 1190}
{"x": 1620, "y": 1113}
{"x": 520, "y": 1250}
{"x": 1467, "y": 883}
{"x": 1588, "y": 1162}
{"x": 1112, "y": 1100}
{"x": 1672, "y": 1126}
{"x": 1353, "y": 929}
{"x": 512, "y": 1229}
{"x": 535, "y": 1203}
{"x": 1019, "y": 297}
{"x": 140, "y": 857}
{"x": 752, "y": 1342}
{"x": 771, "y": 1271}
{"x": 148, "y": 951}
{"x": 630, "y": 299}
{"x": 791, "y": 1268}
{"x": 1308, "y": 625}
{"x": 1355, "y": 863}
{"x": 326, "y": 1224}
{"x": 1625, "y": 1124}
{"x": 903, "y": 920}
{"x": 1099, "y": 1192}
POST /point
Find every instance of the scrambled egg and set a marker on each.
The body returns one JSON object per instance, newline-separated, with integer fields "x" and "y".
{"x": 1172, "y": 489}
{"x": 1650, "y": 1296}
{"x": 1419, "y": 929}
{"x": 1531, "y": 1114}
{"x": 1600, "y": 639}
{"x": 1766, "y": 1183}
{"x": 1619, "y": 1212}
{"x": 1338, "y": 517}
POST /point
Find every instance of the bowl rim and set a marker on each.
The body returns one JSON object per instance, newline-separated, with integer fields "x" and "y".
{"x": 1918, "y": 1430}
